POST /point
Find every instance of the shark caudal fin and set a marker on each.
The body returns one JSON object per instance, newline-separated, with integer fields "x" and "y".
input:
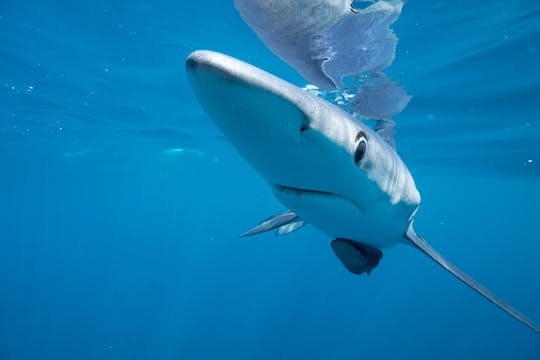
{"x": 421, "y": 244}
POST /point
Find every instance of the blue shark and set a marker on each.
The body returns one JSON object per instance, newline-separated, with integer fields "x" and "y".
{"x": 327, "y": 168}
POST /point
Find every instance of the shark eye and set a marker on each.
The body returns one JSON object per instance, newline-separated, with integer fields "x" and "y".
{"x": 361, "y": 147}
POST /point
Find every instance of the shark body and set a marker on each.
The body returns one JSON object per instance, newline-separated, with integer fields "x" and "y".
{"x": 329, "y": 169}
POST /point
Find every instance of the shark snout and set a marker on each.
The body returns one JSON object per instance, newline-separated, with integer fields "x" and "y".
{"x": 240, "y": 96}
{"x": 252, "y": 110}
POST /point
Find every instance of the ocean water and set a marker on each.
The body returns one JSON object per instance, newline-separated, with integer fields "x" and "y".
{"x": 121, "y": 203}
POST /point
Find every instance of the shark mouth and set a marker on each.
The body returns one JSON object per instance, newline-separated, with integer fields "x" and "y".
{"x": 310, "y": 194}
{"x": 301, "y": 191}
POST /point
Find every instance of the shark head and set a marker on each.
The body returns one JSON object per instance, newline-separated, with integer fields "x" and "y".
{"x": 328, "y": 167}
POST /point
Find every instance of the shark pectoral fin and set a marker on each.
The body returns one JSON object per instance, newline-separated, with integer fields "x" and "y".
{"x": 290, "y": 227}
{"x": 356, "y": 257}
{"x": 272, "y": 223}
{"x": 421, "y": 244}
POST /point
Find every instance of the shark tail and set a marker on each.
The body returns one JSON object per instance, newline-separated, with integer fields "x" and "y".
{"x": 423, "y": 246}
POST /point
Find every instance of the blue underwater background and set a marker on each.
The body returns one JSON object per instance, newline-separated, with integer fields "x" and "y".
{"x": 121, "y": 203}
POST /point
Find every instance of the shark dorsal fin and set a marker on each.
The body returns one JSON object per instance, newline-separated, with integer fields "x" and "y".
{"x": 421, "y": 244}
{"x": 385, "y": 129}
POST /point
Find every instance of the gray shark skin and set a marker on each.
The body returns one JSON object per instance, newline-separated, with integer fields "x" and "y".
{"x": 325, "y": 166}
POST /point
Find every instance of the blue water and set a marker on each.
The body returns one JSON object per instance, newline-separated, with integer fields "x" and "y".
{"x": 121, "y": 203}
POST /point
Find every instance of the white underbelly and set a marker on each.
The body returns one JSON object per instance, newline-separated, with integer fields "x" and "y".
{"x": 380, "y": 226}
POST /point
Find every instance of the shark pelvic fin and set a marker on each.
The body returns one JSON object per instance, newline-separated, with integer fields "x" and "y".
{"x": 273, "y": 222}
{"x": 423, "y": 246}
